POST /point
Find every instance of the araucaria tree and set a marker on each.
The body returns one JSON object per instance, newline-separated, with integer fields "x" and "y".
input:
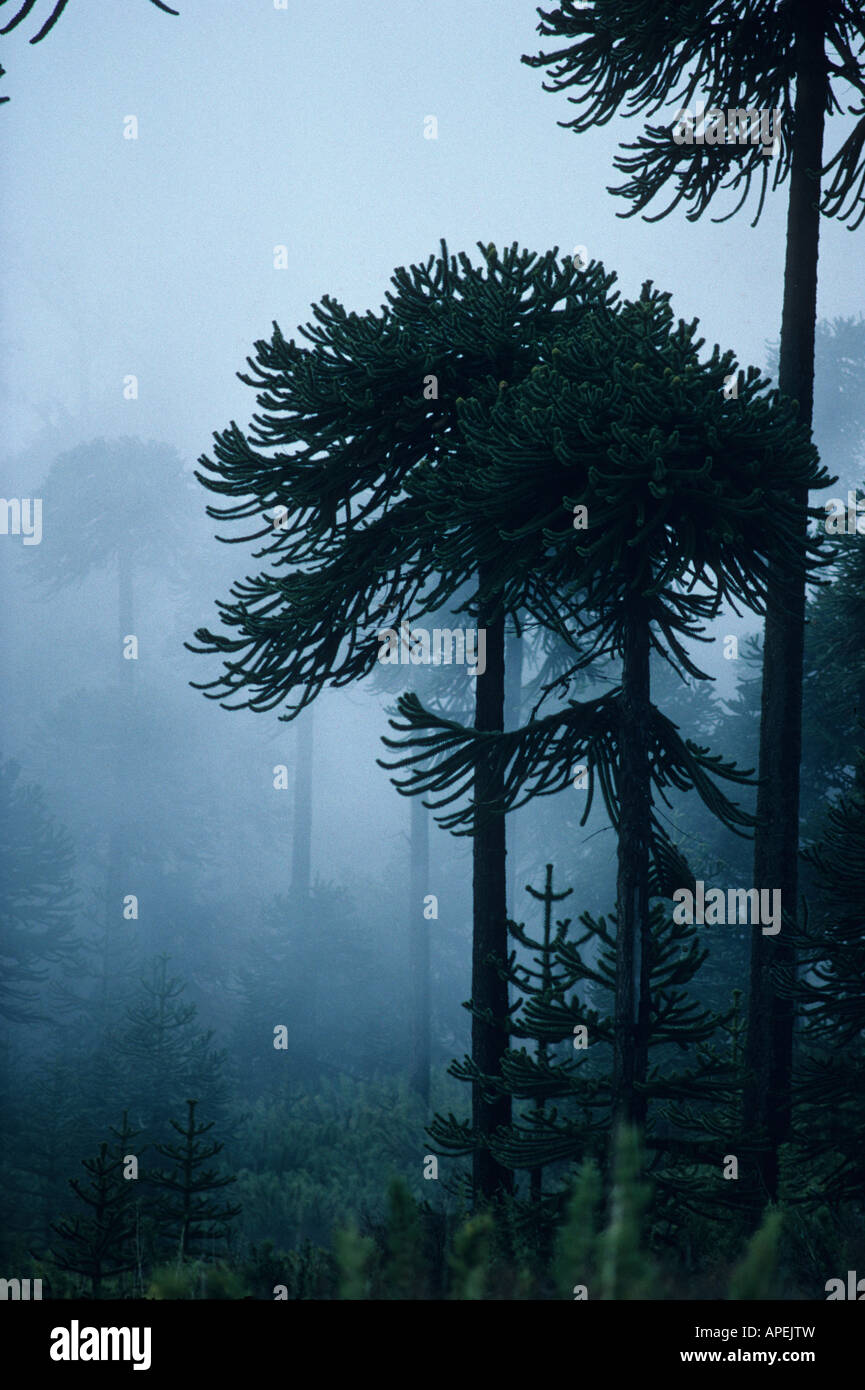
{"x": 646, "y": 499}
{"x": 344, "y": 427}
{"x": 800, "y": 61}
{"x": 161, "y": 1044}
{"x": 100, "y": 1244}
{"x": 193, "y": 1219}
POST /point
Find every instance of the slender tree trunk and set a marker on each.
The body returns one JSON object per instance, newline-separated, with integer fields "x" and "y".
{"x": 419, "y": 950}
{"x": 513, "y": 703}
{"x": 630, "y": 1048}
{"x": 769, "y": 1049}
{"x": 490, "y": 944}
{"x": 537, "y": 1177}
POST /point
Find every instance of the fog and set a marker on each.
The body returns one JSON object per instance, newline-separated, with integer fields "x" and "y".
{"x": 138, "y": 275}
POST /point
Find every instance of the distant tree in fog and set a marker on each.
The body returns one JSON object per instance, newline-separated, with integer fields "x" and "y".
{"x": 37, "y": 895}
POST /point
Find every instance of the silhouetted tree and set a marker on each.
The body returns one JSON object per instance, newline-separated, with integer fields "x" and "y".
{"x": 621, "y": 427}
{"x": 353, "y": 420}
{"x": 37, "y": 894}
{"x": 193, "y": 1219}
{"x": 160, "y": 1047}
{"x": 569, "y": 996}
{"x": 100, "y": 1244}
{"x": 801, "y": 59}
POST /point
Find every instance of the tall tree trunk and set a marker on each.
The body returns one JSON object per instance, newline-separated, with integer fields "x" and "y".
{"x": 490, "y": 943}
{"x": 419, "y": 950}
{"x": 769, "y": 1048}
{"x": 536, "y": 1182}
{"x": 513, "y": 711}
{"x": 630, "y": 1047}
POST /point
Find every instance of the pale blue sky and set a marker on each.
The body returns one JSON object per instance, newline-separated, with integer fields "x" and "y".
{"x": 304, "y": 127}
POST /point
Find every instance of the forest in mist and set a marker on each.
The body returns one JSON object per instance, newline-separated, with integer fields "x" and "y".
{"x": 432, "y": 801}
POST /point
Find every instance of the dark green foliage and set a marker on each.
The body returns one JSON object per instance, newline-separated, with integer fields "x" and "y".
{"x": 633, "y": 468}
{"x": 621, "y": 428}
{"x": 484, "y": 1262}
{"x": 539, "y": 981}
{"x": 396, "y": 1260}
{"x": 101, "y": 1244}
{"x": 833, "y": 684}
{"x": 197, "y": 1280}
{"x": 569, "y": 986}
{"x": 352, "y": 412}
{"x": 803, "y": 61}
{"x": 356, "y": 423}
{"x": 315, "y": 1158}
{"x": 193, "y": 1220}
{"x": 306, "y": 1273}
{"x": 406, "y": 1265}
{"x": 639, "y": 56}
{"x": 354, "y": 1256}
{"x": 705, "y": 1127}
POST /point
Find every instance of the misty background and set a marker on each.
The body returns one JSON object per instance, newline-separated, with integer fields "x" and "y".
{"x": 153, "y": 257}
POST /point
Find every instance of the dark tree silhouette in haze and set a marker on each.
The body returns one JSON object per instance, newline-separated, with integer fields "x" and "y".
{"x": 798, "y": 58}
{"x": 353, "y": 420}
{"x": 37, "y": 895}
{"x": 683, "y": 495}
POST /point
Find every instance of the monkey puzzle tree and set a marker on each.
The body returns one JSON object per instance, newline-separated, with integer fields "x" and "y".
{"x": 682, "y": 496}
{"x": 100, "y": 1244}
{"x": 352, "y": 419}
{"x": 37, "y": 895}
{"x": 193, "y": 1218}
{"x": 117, "y": 503}
{"x": 162, "y": 1046}
{"x": 796, "y": 58}
{"x": 569, "y": 997}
